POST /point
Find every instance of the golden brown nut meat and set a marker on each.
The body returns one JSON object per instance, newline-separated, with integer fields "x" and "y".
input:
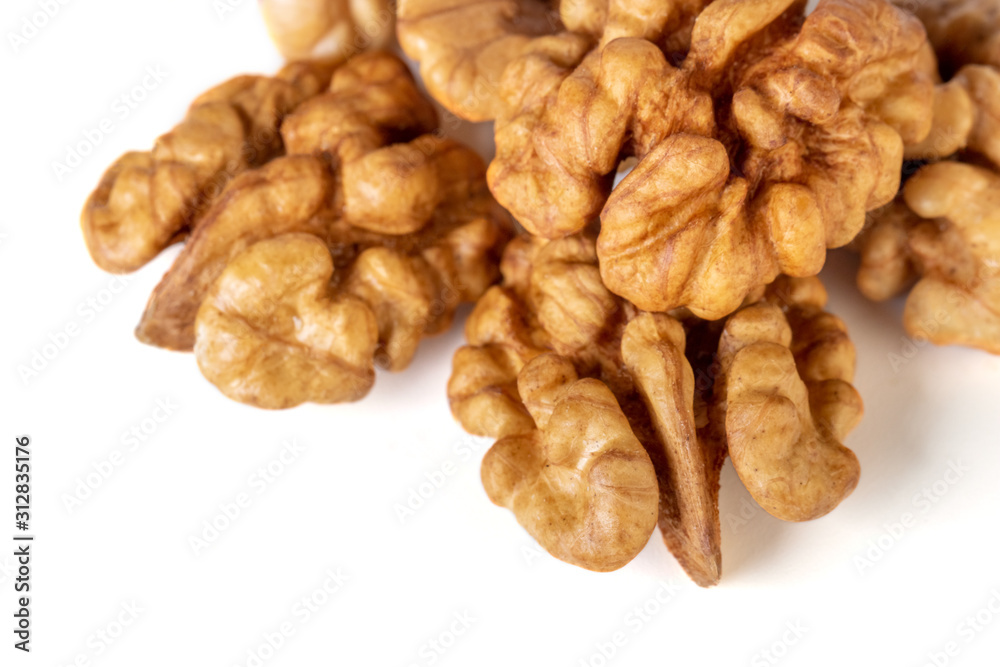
{"x": 464, "y": 47}
{"x": 324, "y": 29}
{"x": 372, "y": 101}
{"x": 957, "y": 300}
{"x": 410, "y": 230}
{"x": 148, "y": 200}
{"x": 962, "y": 31}
{"x": 688, "y": 460}
{"x": 786, "y": 413}
{"x": 983, "y": 85}
{"x": 552, "y": 313}
{"x": 943, "y": 231}
{"x": 283, "y": 196}
{"x": 579, "y": 482}
{"x": 553, "y": 301}
{"x": 762, "y": 136}
{"x": 449, "y": 259}
{"x": 887, "y": 265}
{"x": 271, "y": 334}
{"x": 966, "y": 116}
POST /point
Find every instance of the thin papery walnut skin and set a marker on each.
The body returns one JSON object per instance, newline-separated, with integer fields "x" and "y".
{"x": 271, "y": 334}
{"x": 579, "y": 481}
{"x": 762, "y": 136}
{"x": 784, "y": 388}
{"x": 424, "y": 201}
{"x": 327, "y": 29}
{"x": 148, "y": 200}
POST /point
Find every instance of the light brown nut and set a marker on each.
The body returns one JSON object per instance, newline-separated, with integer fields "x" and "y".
{"x": 270, "y": 333}
{"x": 401, "y": 291}
{"x": 785, "y": 414}
{"x": 413, "y": 281}
{"x": 941, "y": 232}
{"x": 403, "y": 297}
{"x": 962, "y": 31}
{"x": 983, "y": 85}
{"x": 464, "y": 47}
{"x": 483, "y": 393}
{"x": 395, "y": 174}
{"x": 556, "y": 155}
{"x": 504, "y": 333}
{"x": 281, "y": 197}
{"x": 409, "y": 285}
{"x": 887, "y": 265}
{"x": 264, "y": 102}
{"x": 327, "y": 29}
{"x": 372, "y": 102}
{"x": 424, "y": 201}
{"x": 580, "y": 483}
{"x": 954, "y": 115}
{"x": 966, "y": 116}
{"x": 761, "y": 137}
{"x": 553, "y": 314}
{"x": 957, "y": 300}
{"x": 688, "y": 463}
{"x": 148, "y": 200}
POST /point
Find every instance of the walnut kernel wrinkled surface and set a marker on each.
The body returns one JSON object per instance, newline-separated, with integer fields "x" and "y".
{"x": 269, "y": 333}
{"x": 762, "y": 136}
{"x": 148, "y": 200}
{"x": 941, "y": 236}
{"x": 327, "y": 29}
{"x": 377, "y": 192}
{"x": 962, "y": 31}
{"x": 395, "y": 224}
{"x": 552, "y": 321}
{"x": 579, "y": 482}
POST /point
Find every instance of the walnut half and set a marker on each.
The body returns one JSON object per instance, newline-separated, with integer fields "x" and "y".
{"x": 149, "y": 200}
{"x": 761, "y": 135}
{"x": 942, "y": 233}
{"x": 690, "y": 390}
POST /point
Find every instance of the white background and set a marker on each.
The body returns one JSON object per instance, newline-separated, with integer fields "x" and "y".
{"x": 333, "y": 507}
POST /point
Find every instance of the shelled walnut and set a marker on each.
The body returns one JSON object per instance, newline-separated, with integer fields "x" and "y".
{"x": 395, "y": 226}
{"x": 941, "y": 236}
{"x": 762, "y": 136}
{"x": 325, "y": 29}
{"x": 778, "y": 396}
{"x": 149, "y": 200}
{"x": 962, "y": 31}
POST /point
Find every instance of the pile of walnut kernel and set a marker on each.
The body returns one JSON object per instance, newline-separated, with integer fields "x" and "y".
{"x": 632, "y": 335}
{"x": 328, "y": 226}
